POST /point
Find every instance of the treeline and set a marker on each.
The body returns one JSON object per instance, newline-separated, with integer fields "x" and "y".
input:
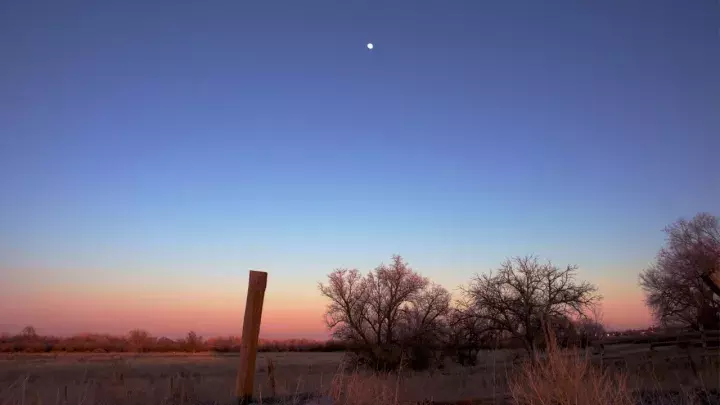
{"x": 140, "y": 341}
{"x": 392, "y": 316}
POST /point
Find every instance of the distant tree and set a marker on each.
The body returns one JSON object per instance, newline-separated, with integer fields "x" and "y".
{"x": 165, "y": 344}
{"x": 589, "y": 330}
{"x": 28, "y": 332}
{"x": 139, "y": 340}
{"x": 389, "y": 307}
{"x": 677, "y": 287}
{"x": 193, "y": 341}
{"x": 524, "y": 293}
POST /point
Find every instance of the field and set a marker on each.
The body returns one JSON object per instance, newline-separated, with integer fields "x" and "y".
{"x": 67, "y": 378}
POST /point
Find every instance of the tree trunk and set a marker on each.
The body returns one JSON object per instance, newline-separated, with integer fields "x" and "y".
{"x": 530, "y": 348}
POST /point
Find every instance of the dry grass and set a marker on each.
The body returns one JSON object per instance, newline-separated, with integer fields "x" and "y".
{"x": 565, "y": 377}
{"x": 561, "y": 377}
{"x": 569, "y": 378}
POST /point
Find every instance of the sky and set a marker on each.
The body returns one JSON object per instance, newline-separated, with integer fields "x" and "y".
{"x": 152, "y": 152}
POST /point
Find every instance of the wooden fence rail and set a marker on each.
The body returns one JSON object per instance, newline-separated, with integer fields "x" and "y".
{"x": 659, "y": 339}
{"x": 707, "y": 340}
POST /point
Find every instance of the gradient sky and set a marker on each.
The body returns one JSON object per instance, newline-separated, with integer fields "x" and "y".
{"x": 151, "y": 152}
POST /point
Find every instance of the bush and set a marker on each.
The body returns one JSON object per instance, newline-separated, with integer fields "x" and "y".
{"x": 463, "y": 355}
{"x": 420, "y": 357}
{"x": 377, "y": 358}
{"x": 387, "y": 358}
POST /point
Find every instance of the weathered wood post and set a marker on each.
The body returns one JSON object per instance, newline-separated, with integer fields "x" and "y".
{"x": 250, "y": 335}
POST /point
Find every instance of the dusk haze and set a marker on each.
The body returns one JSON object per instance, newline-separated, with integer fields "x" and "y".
{"x": 153, "y": 152}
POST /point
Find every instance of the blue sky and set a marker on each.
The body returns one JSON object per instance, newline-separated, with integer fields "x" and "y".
{"x": 148, "y": 141}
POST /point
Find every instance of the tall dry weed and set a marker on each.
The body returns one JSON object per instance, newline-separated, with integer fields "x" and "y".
{"x": 272, "y": 381}
{"x": 363, "y": 388}
{"x": 567, "y": 377}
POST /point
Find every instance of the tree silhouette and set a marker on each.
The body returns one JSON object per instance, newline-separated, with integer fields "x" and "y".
{"x": 675, "y": 285}
{"x": 139, "y": 339}
{"x": 524, "y": 293}
{"x": 29, "y": 332}
{"x": 390, "y": 306}
{"x": 193, "y": 341}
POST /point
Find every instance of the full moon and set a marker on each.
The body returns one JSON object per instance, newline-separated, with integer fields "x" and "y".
{"x": 370, "y": 45}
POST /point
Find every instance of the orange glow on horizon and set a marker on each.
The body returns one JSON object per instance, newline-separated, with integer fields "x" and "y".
{"x": 175, "y": 310}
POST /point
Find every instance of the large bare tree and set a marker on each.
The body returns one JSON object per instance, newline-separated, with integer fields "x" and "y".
{"x": 678, "y": 287}
{"x": 390, "y": 305}
{"x": 524, "y": 293}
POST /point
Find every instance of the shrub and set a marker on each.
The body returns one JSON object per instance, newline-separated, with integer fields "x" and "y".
{"x": 393, "y": 357}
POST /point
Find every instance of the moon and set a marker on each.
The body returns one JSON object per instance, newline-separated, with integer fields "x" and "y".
{"x": 370, "y": 45}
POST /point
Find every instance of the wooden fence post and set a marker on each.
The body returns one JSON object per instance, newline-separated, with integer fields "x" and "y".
{"x": 250, "y": 335}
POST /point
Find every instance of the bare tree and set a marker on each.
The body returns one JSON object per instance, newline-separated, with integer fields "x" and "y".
{"x": 424, "y": 326}
{"x": 193, "y": 341}
{"x": 139, "y": 339}
{"x": 676, "y": 285}
{"x": 591, "y": 328}
{"x": 524, "y": 293}
{"x": 424, "y": 316}
{"x": 390, "y": 306}
{"x": 370, "y": 309}
{"x": 29, "y": 332}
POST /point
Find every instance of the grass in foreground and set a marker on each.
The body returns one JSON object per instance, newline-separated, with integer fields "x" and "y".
{"x": 559, "y": 378}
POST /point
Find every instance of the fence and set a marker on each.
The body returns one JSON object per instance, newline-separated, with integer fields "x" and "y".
{"x": 682, "y": 339}
{"x": 708, "y": 341}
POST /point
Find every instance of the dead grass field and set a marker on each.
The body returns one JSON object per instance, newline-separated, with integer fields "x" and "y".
{"x": 210, "y": 378}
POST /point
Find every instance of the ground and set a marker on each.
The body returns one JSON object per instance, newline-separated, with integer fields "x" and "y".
{"x": 84, "y": 378}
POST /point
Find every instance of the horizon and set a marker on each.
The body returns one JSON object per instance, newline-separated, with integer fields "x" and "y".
{"x": 274, "y": 324}
{"x": 151, "y": 153}
{"x": 213, "y": 336}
